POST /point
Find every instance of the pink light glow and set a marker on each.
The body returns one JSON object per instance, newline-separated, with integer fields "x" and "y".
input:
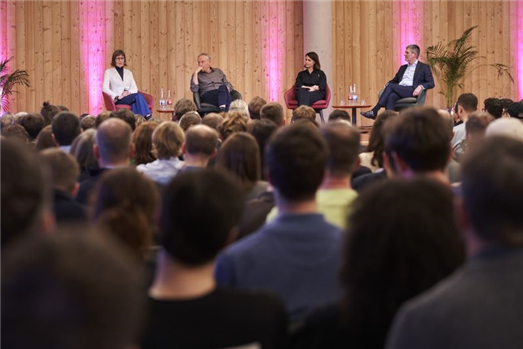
{"x": 273, "y": 52}
{"x": 92, "y": 31}
{"x": 410, "y": 25}
{"x": 3, "y": 30}
{"x": 517, "y": 36}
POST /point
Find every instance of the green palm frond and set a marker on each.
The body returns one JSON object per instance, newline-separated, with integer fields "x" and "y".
{"x": 454, "y": 61}
{"x": 9, "y": 81}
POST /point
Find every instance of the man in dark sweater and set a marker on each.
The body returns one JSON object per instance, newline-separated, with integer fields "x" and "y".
{"x": 186, "y": 309}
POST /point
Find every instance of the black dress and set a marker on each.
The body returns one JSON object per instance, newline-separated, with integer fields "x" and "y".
{"x": 304, "y": 78}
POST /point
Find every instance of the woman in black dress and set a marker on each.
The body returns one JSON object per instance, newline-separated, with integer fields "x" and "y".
{"x": 311, "y": 83}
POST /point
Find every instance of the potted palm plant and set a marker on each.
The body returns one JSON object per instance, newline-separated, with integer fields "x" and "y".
{"x": 453, "y": 61}
{"x": 8, "y": 83}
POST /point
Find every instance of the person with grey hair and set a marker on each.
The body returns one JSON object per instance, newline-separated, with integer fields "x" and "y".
{"x": 411, "y": 79}
{"x": 241, "y": 106}
{"x": 211, "y": 83}
{"x": 113, "y": 148}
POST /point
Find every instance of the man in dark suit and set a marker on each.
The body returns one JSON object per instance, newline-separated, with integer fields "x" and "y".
{"x": 410, "y": 80}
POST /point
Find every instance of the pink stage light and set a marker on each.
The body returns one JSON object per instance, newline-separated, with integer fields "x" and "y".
{"x": 517, "y": 37}
{"x": 273, "y": 52}
{"x": 3, "y": 30}
{"x": 92, "y": 31}
{"x": 411, "y": 26}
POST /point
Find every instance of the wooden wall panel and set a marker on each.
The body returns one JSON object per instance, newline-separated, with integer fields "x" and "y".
{"x": 163, "y": 38}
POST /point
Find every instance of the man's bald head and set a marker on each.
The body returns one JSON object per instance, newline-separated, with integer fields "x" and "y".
{"x": 201, "y": 139}
{"x": 113, "y": 140}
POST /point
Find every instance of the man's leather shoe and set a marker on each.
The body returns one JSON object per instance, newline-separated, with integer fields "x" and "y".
{"x": 368, "y": 114}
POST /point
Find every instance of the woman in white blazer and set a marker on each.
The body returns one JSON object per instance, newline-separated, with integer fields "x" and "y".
{"x": 120, "y": 85}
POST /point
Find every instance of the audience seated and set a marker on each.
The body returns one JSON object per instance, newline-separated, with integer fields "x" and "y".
{"x": 190, "y": 119}
{"x": 45, "y": 139}
{"x": 25, "y": 197}
{"x": 303, "y": 112}
{"x": 186, "y": 308}
{"x": 33, "y": 124}
{"x": 200, "y": 146}
{"x": 274, "y": 112}
{"x": 255, "y": 106}
{"x": 467, "y": 104}
{"x": 125, "y": 115}
{"x": 49, "y": 111}
{"x": 262, "y": 130}
{"x": 234, "y": 122}
{"x": 480, "y": 305}
{"x": 66, "y": 127}
{"x": 168, "y": 139}
{"x": 240, "y": 156}
{"x": 510, "y": 127}
{"x": 125, "y": 205}
{"x": 64, "y": 173}
{"x": 418, "y": 145}
{"x": 453, "y": 169}
{"x": 143, "y": 143}
{"x": 213, "y": 120}
{"x": 338, "y": 114}
{"x": 240, "y": 106}
{"x": 475, "y": 128}
{"x": 181, "y": 107}
{"x": 113, "y": 148}
{"x": 515, "y": 110}
{"x": 87, "y": 122}
{"x": 335, "y": 196}
{"x": 72, "y": 290}
{"x": 6, "y": 120}
{"x": 83, "y": 151}
{"x": 297, "y": 255}
{"x": 101, "y": 118}
{"x": 373, "y": 157}
{"x": 16, "y": 132}
{"x": 391, "y": 253}
{"x": 494, "y": 107}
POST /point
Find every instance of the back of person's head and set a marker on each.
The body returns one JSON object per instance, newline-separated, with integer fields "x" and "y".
{"x": 262, "y": 130}
{"x": 113, "y": 140}
{"x": 213, "y": 120}
{"x": 295, "y": 158}
{"x": 66, "y": 127}
{"x": 477, "y": 124}
{"x": 377, "y": 137}
{"x": 201, "y": 140}
{"x": 16, "y": 132}
{"x": 49, "y": 111}
{"x": 338, "y": 114}
{"x": 183, "y": 106}
{"x": 190, "y": 119}
{"x": 199, "y": 212}
{"x": 507, "y": 127}
{"x": 19, "y": 116}
{"x": 303, "y": 112}
{"x": 240, "y": 156}
{"x": 88, "y": 122}
{"x": 255, "y": 106}
{"x": 45, "y": 139}
{"x": 63, "y": 168}
{"x": 143, "y": 143}
{"x": 420, "y": 139}
{"x": 33, "y": 124}
{"x": 274, "y": 112}
{"x": 468, "y": 101}
{"x": 168, "y": 138}
{"x": 24, "y": 191}
{"x": 448, "y": 119}
{"x": 102, "y": 117}
{"x": 505, "y": 102}
{"x": 515, "y": 110}
{"x": 124, "y": 205}
{"x": 71, "y": 290}
{"x": 6, "y": 120}
{"x": 82, "y": 149}
{"x": 419, "y": 245}
{"x": 62, "y": 108}
{"x": 240, "y": 106}
{"x": 494, "y": 107}
{"x": 234, "y": 122}
{"x": 343, "y": 142}
{"x": 492, "y": 190}
{"x": 125, "y": 115}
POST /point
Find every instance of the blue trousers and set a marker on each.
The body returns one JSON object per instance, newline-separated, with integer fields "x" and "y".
{"x": 391, "y": 94}
{"x": 137, "y": 103}
{"x": 218, "y": 97}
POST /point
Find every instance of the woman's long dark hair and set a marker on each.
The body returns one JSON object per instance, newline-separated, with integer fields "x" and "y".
{"x": 315, "y": 58}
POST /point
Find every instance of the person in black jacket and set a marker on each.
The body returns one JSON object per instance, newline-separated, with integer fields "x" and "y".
{"x": 311, "y": 83}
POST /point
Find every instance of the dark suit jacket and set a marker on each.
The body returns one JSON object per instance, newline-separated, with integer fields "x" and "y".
{"x": 67, "y": 209}
{"x": 422, "y": 76}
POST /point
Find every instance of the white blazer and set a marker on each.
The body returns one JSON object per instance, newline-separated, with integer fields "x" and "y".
{"x": 114, "y": 85}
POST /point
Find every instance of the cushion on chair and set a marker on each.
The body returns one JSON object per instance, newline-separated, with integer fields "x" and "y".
{"x": 410, "y": 100}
